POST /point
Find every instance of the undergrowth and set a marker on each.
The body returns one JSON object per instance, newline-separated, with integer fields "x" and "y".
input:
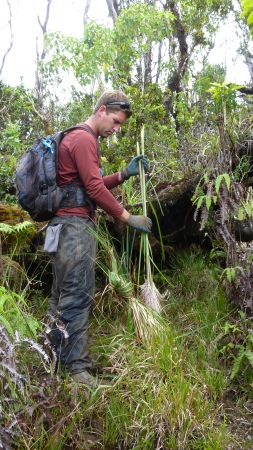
{"x": 173, "y": 391}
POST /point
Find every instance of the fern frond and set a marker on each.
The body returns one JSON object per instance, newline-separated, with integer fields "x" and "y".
{"x": 237, "y": 364}
{"x": 7, "y": 325}
{"x": 5, "y": 228}
{"x": 9, "y": 229}
{"x": 249, "y": 355}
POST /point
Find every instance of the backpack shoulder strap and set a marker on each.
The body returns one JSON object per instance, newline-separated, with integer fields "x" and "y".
{"x": 58, "y": 136}
{"x": 84, "y": 127}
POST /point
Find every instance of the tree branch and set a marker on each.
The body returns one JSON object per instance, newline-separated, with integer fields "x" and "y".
{"x": 11, "y": 41}
{"x": 86, "y": 11}
{"x": 112, "y": 11}
{"x": 44, "y": 30}
{"x": 245, "y": 90}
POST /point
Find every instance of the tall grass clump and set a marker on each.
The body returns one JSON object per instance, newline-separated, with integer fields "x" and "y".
{"x": 168, "y": 389}
{"x": 159, "y": 399}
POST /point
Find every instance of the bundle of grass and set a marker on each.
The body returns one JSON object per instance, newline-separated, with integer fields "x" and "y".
{"x": 146, "y": 311}
{"x": 148, "y": 323}
{"x": 146, "y": 317}
{"x": 118, "y": 282}
{"x": 148, "y": 291}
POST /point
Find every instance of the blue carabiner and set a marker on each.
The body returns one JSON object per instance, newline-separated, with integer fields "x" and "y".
{"x": 48, "y": 143}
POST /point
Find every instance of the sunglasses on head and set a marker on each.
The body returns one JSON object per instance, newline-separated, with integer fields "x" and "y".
{"x": 123, "y": 105}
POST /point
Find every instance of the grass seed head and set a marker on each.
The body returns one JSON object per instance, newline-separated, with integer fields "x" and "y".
{"x": 150, "y": 295}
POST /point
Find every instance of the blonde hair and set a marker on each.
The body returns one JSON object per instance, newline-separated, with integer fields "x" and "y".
{"x": 113, "y": 96}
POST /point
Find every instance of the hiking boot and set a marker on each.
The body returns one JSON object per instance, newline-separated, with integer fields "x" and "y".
{"x": 85, "y": 378}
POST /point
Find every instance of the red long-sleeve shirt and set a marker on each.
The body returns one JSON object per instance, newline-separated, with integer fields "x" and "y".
{"x": 79, "y": 157}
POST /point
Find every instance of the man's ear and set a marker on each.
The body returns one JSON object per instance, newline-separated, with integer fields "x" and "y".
{"x": 102, "y": 109}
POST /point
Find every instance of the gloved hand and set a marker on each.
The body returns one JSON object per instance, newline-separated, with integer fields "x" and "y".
{"x": 133, "y": 167}
{"x": 141, "y": 223}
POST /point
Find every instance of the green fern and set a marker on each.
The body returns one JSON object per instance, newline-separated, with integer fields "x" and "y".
{"x": 10, "y": 229}
{"x": 249, "y": 356}
{"x": 237, "y": 363}
{"x": 7, "y": 325}
{"x": 245, "y": 354}
{"x": 14, "y": 315}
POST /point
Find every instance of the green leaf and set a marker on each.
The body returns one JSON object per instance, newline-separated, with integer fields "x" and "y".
{"x": 229, "y": 273}
{"x": 250, "y": 338}
{"x": 237, "y": 365}
{"x": 200, "y": 201}
{"x": 247, "y": 3}
{"x": 227, "y": 180}
{"x": 9, "y": 229}
{"x": 3, "y": 299}
{"x": 250, "y": 19}
{"x": 7, "y": 325}
{"x": 218, "y": 183}
{"x": 249, "y": 354}
{"x": 219, "y": 179}
{"x": 208, "y": 202}
{"x": 240, "y": 214}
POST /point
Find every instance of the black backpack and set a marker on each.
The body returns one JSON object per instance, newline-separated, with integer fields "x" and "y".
{"x": 37, "y": 180}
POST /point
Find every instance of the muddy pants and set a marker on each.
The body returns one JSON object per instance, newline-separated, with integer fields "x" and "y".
{"x": 72, "y": 290}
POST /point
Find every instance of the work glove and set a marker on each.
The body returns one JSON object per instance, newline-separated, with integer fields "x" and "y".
{"x": 141, "y": 223}
{"x": 133, "y": 167}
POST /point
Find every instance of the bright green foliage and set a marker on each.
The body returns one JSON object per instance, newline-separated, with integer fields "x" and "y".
{"x": 11, "y": 146}
{"x": 5, "y": 228}
{"x": 224, "y": 96}
{"x": 230, "y": 273}
{"x": 14, "y": 314}
{"x": 19, "y": 125}
{"x": 247, "y": 11}
{"x": 74, "y": 111}
{"x": 19, "y": 230}
{"x": 245, "y": 354}
{"x": 7, "y": 173}
{"x": 245, "y": 210}
{"x": 110, "y": 53}
{"x": 168, "y": 390}
{"x": 236, "y": 344}
{"x": 200, "y": 198}
{"x": 17, "y": 108}
{"x": 200, "y": 15}
{"x": 115, "y": 57}
{"x": 218, "y": 181}
{"x": 138, "y": 29}
{"x": 10, "y": 139}
{"x": 85, "y": 57}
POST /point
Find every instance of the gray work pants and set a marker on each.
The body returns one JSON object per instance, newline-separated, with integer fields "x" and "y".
{"x": 72, "y": 291}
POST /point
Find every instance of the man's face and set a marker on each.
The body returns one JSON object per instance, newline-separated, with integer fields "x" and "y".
{"x": 110, "y": 123}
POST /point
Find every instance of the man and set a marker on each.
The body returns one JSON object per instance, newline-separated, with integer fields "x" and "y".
{"x": 70, "y": 237}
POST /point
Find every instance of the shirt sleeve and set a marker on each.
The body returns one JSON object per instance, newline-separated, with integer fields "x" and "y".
{"x": 112, "y": 181}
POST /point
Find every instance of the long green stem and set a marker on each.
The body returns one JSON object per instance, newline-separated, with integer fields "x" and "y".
{"x": 146, "y": 249}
